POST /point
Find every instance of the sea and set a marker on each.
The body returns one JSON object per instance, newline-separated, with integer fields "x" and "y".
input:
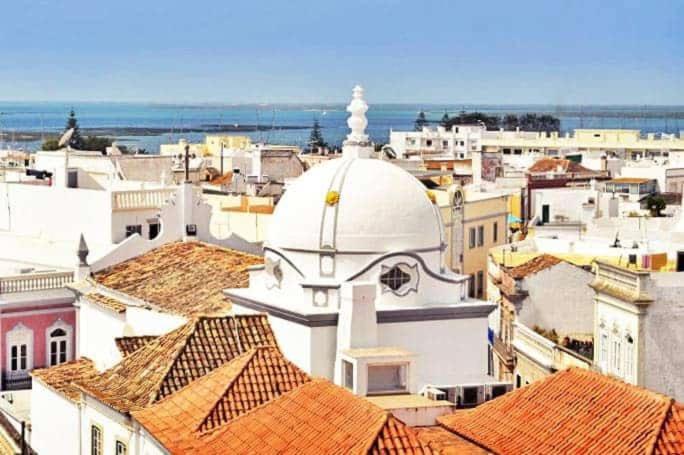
{"x": 48, "y": 118}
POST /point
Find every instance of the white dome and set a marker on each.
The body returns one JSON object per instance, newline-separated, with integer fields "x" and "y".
{"x": 381, "y": 209}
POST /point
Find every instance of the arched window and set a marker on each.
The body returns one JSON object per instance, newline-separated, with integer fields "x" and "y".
{"x": 58, "y": 339}
{"x": 19, "y": 342}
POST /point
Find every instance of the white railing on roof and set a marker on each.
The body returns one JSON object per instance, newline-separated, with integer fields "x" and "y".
{"x": 35, "y": 282}
{"x": 140, "y": 199}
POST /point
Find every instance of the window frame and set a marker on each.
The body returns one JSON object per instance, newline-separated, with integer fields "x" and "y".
{"x": 472, "y": 237}
{"x": 19, "y": 349}
{"x": 67, "y": 339}
{"x": 480, "y": 235}
{"x": 119, "y": 444}
{"x": 133, "y": 229}
{"x": 495, "y": 232}
{"x": 96, "y": 447}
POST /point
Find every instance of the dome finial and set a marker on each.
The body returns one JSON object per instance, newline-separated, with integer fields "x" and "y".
{"x": 357, "y": 144}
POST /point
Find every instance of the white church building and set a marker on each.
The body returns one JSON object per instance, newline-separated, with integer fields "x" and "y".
{"x": 355, "y": 283}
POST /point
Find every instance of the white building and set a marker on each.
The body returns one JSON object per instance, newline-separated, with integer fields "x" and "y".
{"x": 638, "y": 327}
{"x": 455, "y": 143}
{"x": 355, "y": 282}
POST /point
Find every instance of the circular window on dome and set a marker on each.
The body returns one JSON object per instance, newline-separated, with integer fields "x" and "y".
{"x": 399, "y": 279}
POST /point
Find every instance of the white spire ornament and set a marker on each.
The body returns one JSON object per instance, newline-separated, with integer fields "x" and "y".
{"x": 357, "y": 144}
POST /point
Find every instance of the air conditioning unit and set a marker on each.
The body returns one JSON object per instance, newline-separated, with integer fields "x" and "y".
{"x": 434, "y": 394}
{"x": 469, "y": 396}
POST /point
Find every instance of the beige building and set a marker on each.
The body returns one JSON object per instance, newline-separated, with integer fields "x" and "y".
{"x": 475, "y": 221}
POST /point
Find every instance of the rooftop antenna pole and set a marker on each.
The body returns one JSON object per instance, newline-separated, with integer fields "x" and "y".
{"x": 221, "y": 157}
{"x": 187, "y": 163}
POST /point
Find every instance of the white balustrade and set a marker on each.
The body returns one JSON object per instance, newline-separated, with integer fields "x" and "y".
{"x": 35, "y": 282}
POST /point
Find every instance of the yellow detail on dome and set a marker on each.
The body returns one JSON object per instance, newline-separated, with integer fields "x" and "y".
{"x": 332, "y": 198}
{"x": 431, "y": 195}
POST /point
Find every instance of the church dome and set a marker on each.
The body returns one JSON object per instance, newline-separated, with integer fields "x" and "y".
{"x": 356, "y": 205}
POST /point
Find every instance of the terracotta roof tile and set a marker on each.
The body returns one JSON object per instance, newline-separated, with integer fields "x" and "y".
{"x": 170, "y": 362}
{"x": 445, "y": 442}
{"x": 237, "y": 387}
{"x": 671, "y": 438}
{"x": 168, "y": 277}
{"x": 106, "y": 302}
{"x": 575, "y": 411}
{"x": 535, "y": 265}
{"x": 565, "y": 165}
{"x": 60, "y": 377}
{"x": 314, "y": 418}
{"x": 130, "y": 344}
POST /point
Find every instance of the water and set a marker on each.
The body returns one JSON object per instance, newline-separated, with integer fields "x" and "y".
{"x": 49, "y": 118}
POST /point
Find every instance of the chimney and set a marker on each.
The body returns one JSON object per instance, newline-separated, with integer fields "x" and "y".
{"x": 476, "y": 166}
{"x": 82, "y": 269}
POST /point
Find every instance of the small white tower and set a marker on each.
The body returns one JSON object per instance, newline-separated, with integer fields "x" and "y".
{"x": 357, "y": 144}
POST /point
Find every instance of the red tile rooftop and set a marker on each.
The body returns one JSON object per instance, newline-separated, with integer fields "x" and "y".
{"x": 574, "y": 412}
{"x": 315, "y": 418}
{"x": 535, "y": 265}
{"x": 186, "y": 278}
{"x": 170, "y": 362}
{"x": 219, "y": 397}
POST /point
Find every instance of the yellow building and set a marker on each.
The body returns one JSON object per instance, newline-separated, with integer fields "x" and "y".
{"x": 474, "y": 221}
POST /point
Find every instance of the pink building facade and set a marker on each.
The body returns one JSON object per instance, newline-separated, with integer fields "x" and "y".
{"x": 37, "y": 330}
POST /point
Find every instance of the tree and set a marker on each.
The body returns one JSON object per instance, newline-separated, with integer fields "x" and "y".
{"x": 474, "y": 118}
{"x": 655, "y": 204}
{"x": 76, "y": 141}
{"x": 445, "y": 119}
{"x": 509, "y": 122}
{"x": 97, "y": 143}
{"x": 421, "y": 121}
{"x": 316, "y": 140}
{"x": 50, "y": 144}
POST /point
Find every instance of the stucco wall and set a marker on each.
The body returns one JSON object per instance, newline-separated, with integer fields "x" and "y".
{"x": 98, "y": 328}
{"x": 663, "y": 340}
{"x": 38, "y": 320}
{"x": 559, "y": 298}
{"x": 455, "y": 351}
{"x": 54, "y": 422}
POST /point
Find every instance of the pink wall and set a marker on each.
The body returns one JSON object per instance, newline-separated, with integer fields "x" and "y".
{"x": 38, "y": 320}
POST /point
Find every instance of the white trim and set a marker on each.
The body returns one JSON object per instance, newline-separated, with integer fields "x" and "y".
{"x": 19, "y": 335}
{"x": 59, "y": 324}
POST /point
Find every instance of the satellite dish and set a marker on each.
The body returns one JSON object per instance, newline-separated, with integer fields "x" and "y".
{"x": 66, "y": 137}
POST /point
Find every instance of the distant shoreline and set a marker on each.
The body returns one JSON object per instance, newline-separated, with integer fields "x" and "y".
{"x": 30, "y": 136}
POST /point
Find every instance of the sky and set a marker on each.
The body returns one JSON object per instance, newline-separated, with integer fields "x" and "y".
{"x": 430, "y": 51}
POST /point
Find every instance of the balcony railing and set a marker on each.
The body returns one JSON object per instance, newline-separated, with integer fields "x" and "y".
{"x": 504, "y": 352}
{"x": 140, "y": 199}
{"x": 16, "y": 381}
{"x": 35, "y": 282}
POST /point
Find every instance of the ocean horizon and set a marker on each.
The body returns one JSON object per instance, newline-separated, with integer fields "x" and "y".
{"x": 48, "y": 118}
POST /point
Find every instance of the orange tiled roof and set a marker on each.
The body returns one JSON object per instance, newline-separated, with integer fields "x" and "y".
{"x": 445, "y": 442}
{"x": 186, "y": 278}
{"x": 566, "y": 166}
{"x": 170, "y": 362}
{"x": 224, "y": 179}
{"x": 130, "y": 344}
{"x": 533, "y": 266}
{"x": 575, "y": 411}
{"x": 106, "y": 302}
{"x": 217, "y": 398}
{"x": 60, "y": 377}
{"x": 314, "y": 418}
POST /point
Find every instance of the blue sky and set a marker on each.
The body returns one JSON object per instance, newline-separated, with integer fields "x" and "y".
{"x": 498, "y": 52}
